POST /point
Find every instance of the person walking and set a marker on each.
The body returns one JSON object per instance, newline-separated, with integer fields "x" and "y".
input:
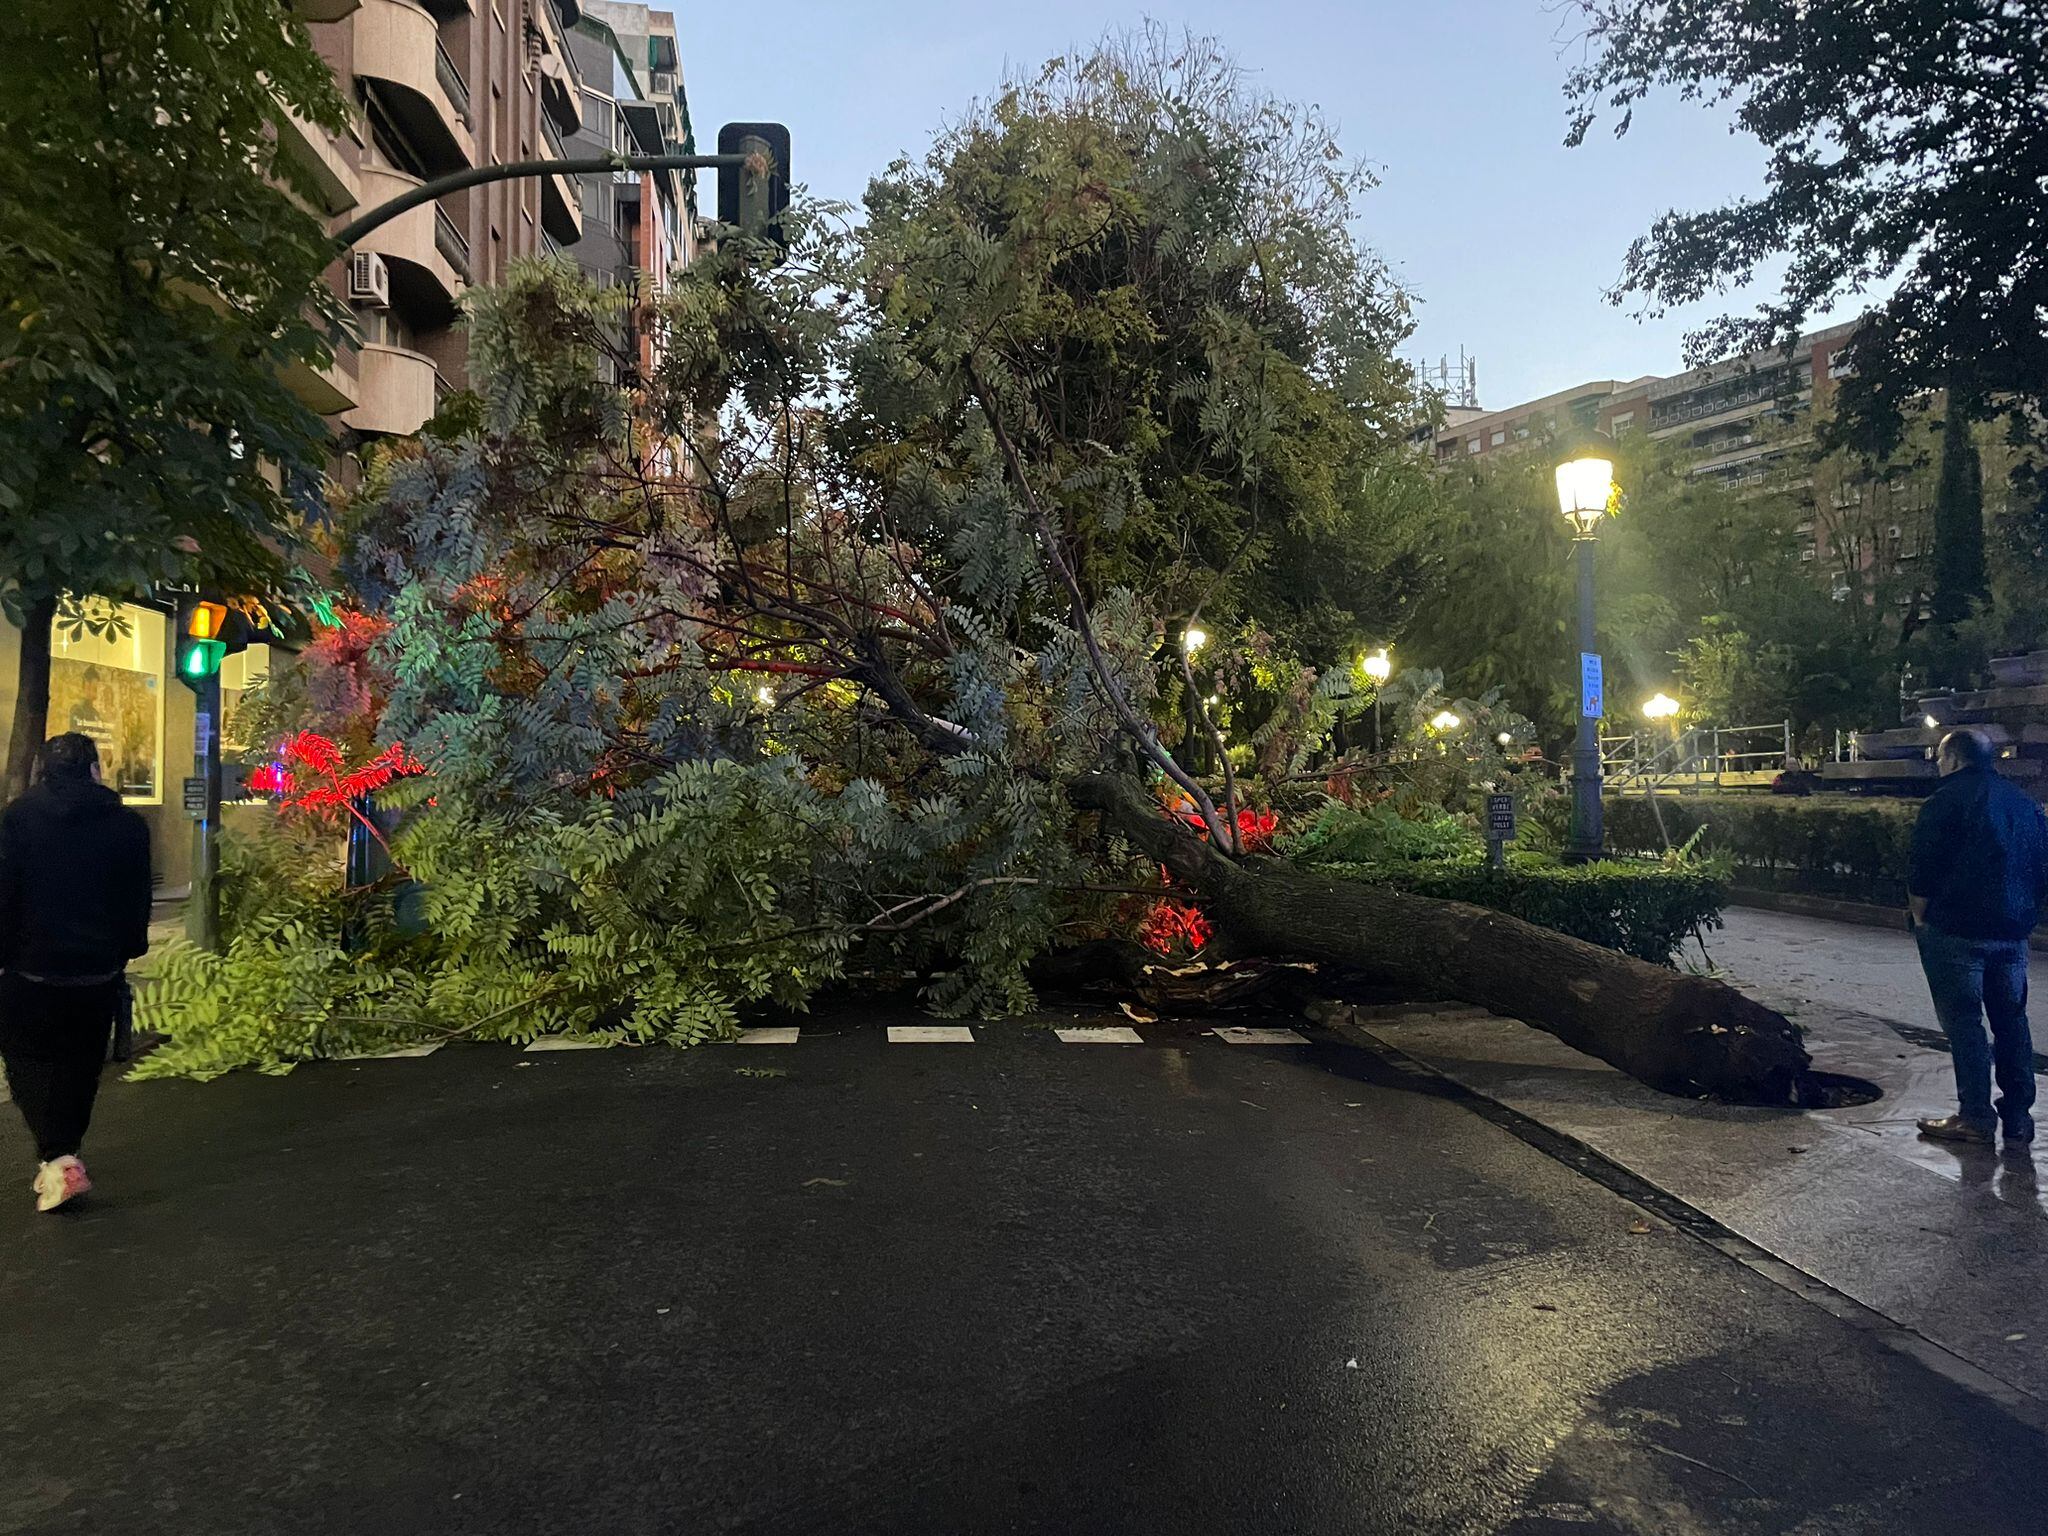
{"x": 1978, "y": 874}
{"x": 74, "y": 910}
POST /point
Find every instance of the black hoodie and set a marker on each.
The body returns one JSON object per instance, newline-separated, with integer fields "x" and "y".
{"x": 74, "y": 881}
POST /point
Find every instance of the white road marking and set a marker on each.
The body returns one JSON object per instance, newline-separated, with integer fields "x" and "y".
{"x": 410, "y": 1050}
{"x": 779, "y": 1034}
{"x": 1114, "y": 1034}
{"x": 1238, "y": 1035}
{"x": 930, "y": 1034}
{"x": 568, "y": 1043}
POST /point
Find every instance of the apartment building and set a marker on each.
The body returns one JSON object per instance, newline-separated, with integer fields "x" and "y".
{"x": 640, "y": 227}
{"x": 438, "y": 86}
{"x": 1468, "y": 435}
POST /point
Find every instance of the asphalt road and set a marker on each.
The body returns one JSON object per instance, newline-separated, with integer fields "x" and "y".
{"x": 849, "y": 1286}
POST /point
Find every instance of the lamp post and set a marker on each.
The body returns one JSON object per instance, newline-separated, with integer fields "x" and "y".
{"x": 1379, "y": 667}
{"x": 1584, "y": 489}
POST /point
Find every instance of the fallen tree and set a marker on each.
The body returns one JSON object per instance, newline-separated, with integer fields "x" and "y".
{"x": 1682, "y": 1034}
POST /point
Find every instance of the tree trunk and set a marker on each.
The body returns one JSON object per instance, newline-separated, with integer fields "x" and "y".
{"x": 31, "y": 697}
{"x": 1682, "y": 1034}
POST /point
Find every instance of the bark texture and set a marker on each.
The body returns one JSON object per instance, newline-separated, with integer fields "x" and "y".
{"x": 1682, "y": 1034}
{"x": 31, "y": 698}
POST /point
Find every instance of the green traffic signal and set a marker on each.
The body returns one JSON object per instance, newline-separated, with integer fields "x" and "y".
{"x": 201, "y": 658}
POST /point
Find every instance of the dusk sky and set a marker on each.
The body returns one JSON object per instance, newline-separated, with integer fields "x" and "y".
{"x": 1506, "y": 237}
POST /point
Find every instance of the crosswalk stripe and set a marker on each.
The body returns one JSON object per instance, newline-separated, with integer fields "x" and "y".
{"x": 930, "y": 1034}
{"x": 778, "y": 1034}
{"x": 1238, "y": 1035}
{"x": 567, "y": 1043}
{"x": 1113, "y": 1034}
{"x": 406, "y": 1051}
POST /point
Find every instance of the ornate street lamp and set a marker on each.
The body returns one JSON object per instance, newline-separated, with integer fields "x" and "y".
{"x": 1585, "y": 489}
{"x": 1379, "y": 667}
{"x": 1660, "y": 706}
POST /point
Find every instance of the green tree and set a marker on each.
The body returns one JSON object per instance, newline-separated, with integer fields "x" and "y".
{"x": 1960, "y": 582}
{"x": 1905, "y": 147}
{"x": 160, "y": 274}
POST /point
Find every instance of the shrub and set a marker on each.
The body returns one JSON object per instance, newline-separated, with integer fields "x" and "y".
{"x": 1849, "y": 847}
{"x": 1647, "y": 911}
{"x": 1643, "y": 910}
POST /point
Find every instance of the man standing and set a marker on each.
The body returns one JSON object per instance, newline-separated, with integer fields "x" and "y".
{"x": 74, "y": 910}
{"x": 1979, "y": 874}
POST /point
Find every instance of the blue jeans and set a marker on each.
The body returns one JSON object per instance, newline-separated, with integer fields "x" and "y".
{"x": 1973, "y": 980}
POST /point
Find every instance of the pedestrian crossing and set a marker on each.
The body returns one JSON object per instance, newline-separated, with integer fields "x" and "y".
{"x": 899, "y": 1034}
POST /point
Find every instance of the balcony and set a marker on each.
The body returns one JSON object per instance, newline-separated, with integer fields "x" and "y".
{"x": 332, "y": 180}
{"x": 395, "y": 391}
{"x": 398, "y": 55}
{"x": 425, "y": 280}
{"x": 561, "y": 198}
{"x": 326, "y": 10}
{"x": 451, "y": 242}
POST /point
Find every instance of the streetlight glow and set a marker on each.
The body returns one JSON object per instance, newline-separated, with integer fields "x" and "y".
{"x": 1506, "y": 738}
{"x": 1584, "y": 489}
{"x": 1378, "y": 666}
{"x": 1931, "y": 723}
{"x": 1444, "y": 720}
{"x": 765, "y": 694}
{"x": 1660, "y": 706}
{"x": 1192, "y": 640}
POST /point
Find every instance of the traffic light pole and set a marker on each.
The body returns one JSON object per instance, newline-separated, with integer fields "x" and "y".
{"x": 202, "y": 915}
{"x": 587, "y": 165}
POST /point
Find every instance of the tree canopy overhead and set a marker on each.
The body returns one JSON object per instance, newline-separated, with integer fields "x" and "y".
{"x": 160, "y": 272}
{"x": 1908, "y": 143}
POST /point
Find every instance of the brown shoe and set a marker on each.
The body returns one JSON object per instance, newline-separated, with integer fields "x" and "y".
{"x": 1956, "y": 1128}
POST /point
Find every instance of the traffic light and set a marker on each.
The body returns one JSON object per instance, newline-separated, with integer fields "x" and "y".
{"x": 208, "y": 633}
{"x": 753, "y": 197}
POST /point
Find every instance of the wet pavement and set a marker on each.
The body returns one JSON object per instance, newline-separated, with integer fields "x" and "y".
{"x": 1013, "y": 1284}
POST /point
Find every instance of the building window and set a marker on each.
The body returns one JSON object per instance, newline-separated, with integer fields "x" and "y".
{"x": 238, "y": 674}
{"x": 1624, "y": 422}
{"x": 1471, "y": 445}
{"x": 1497, "y": 439}
{"x": 111, "y": 688}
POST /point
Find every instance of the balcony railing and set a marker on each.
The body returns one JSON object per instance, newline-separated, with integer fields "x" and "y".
{"x": 451, "y": 242}
{"x": 451, "y": 81}
{"x": 552, "y": 134}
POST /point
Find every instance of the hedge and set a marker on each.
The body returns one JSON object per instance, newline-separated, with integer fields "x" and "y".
{"x": 1845, "y": 847}
{"x": 1645, "y": 912}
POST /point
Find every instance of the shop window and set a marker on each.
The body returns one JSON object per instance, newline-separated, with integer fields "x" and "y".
{"x": 239, "y": 673}
{"x": 111, "y": 687}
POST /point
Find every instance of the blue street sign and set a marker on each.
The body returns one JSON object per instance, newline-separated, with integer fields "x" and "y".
{"x": 1590, "y": 689}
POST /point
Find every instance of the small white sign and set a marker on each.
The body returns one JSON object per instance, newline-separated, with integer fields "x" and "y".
{"x": 778, "y": 1034}
{"x": 930, "y": 1034}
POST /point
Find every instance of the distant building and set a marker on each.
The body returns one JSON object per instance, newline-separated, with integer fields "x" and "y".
{"x": 1465, "y": 435}
{"x": 640, "y": 227}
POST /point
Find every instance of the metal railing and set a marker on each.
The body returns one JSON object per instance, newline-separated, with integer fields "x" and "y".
{"x": 1702, "y": 757}
{"x": 451, "y": 81}
{"x": 451, "y": 242}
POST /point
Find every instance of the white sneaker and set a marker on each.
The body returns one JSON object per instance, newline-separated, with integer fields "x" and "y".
{"x": 59, "y": 1180}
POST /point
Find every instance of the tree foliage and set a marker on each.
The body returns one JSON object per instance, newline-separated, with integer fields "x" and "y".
{"x": 1905, "y": 147}
{"x": 160, "y": 268}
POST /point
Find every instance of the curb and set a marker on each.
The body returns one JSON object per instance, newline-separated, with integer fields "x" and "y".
{"x": 1685, "y": 1217}
{"x": 1833, "y": 909}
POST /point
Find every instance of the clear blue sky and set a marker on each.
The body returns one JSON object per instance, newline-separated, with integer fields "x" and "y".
{"x": 1506, "y": 237}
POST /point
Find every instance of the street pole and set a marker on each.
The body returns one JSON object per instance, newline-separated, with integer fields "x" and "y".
{"x": 1588, "y": 838}
{"x": 202, "y": 916}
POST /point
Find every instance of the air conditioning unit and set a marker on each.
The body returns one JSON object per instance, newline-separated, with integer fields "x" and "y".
{"x": 369, "y": 280}
{"x": 661, "y": 82}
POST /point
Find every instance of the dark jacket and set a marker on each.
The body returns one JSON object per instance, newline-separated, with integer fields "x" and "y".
{"x": 74, "y": 881}
{"x": 1980, "y": 857}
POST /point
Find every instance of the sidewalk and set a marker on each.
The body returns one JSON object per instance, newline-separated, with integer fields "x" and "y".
{"x": 1949, "y": 1242}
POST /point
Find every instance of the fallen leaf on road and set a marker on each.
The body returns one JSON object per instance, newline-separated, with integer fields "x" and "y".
{"x": 2014, "y": 1338}
{"x": 1544, "y": 1306}
{"x": 661, "y": 1311}
{"x": 1351, "y": 1364}
{"x": 1138, "y": 1015}
{"x": 1640, "y": 1226}
{"x": 1795, "y": 1149}
{"x": 829, "y": 1183}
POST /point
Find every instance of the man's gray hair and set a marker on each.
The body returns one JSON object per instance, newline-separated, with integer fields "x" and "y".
{"x": 1972, "y": 749}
